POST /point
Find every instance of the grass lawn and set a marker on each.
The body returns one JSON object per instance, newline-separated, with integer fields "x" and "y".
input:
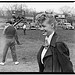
{"x": 27, "y": 52}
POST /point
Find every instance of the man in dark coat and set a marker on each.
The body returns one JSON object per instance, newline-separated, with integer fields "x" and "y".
{"x": 10, "y": 35}
{"x": 53, "y": 56}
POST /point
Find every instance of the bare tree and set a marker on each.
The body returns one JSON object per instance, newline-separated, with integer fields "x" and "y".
{"x": 34, "y": 13}
{"x": 9, "y": 11}
{"x": 2, "y": 12}
{"x": 67, "y": 10}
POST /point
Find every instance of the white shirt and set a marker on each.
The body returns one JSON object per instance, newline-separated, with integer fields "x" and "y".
{"x": 45, "y": 50}
{"x": 24, "y": 27}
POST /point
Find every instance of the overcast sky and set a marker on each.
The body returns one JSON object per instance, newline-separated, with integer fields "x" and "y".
{"x": 43, "y": 6}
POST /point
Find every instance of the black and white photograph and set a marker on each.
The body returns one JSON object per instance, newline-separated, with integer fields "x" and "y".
{"x": 37, "y": 37}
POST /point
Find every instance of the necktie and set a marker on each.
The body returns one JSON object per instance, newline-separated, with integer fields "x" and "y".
{"x": 44, "y": 50}
{"x": 46, "y": 44}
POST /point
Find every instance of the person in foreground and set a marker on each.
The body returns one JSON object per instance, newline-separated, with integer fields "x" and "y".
{"x": 10, "y": 35}
{"x": 53, "y": 55}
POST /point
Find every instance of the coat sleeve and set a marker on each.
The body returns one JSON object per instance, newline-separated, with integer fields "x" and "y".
{"x": 63, "y": 57}
{"x": 63, "y": 47}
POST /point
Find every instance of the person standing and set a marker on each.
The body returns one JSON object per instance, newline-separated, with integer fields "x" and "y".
{"x": 53, "y": 55}
{"x": 10, "y": 35}
{"x": 24, "y": 28}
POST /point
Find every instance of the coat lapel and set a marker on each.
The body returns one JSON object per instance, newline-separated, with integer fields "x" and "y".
{"x": 53, "y": 41}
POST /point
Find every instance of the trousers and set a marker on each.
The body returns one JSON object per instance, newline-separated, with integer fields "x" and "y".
{"x": 24, "y": 31}
{"x": 9, "y": 43}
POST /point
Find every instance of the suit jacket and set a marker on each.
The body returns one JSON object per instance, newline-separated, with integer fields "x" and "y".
{"x": 51, "y": 60}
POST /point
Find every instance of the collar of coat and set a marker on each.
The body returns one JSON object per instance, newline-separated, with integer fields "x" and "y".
{"x": 54, "y": 39}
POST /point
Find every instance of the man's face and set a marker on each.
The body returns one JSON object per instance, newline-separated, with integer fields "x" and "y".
{"x": 46, "y": 28}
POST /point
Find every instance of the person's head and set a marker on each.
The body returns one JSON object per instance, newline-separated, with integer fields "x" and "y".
{"x": 48, "y": 25}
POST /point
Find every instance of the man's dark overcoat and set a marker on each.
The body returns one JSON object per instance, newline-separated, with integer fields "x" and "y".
{"x": 56, "y": 58}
